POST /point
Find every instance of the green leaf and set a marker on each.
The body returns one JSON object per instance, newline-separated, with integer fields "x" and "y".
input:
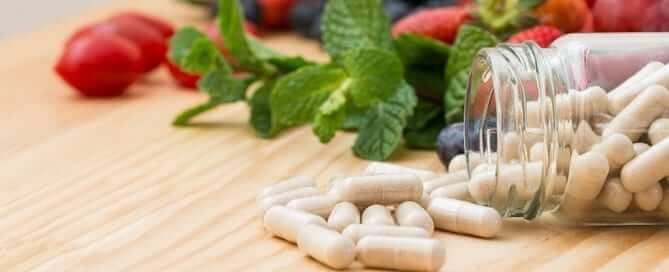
{"x": 355, "y": 117}
{"x": 421, "y": 51}
{"x": 375, "y": 75}
{"x": 455, "y": 97}
{"x": 231, "y": 24}
{"x": 330, "y": 116}
{"x": 350, "y": 24}
{"x": 261, "y": 120}
{"x": 297, "y": 96}
{"x": 289, "y": 64}
{"x": 382, "y": 133}
{"x": 428, "y": 81}
{"x": 424, "y": 113}
{"x": 424, "y": 137}
{"x": 184, "y": 117}
{"x": 222, "y": 87}
{"x": 181, "y": 43}
{"x": 202, "y": 57}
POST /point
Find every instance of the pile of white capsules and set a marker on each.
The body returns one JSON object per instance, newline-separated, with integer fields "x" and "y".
{"x": 614, "y": 161}
{"x": 384, "y": 218}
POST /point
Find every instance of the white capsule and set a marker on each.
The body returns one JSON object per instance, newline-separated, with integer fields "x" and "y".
{"x": 649, "y": 199}
{"x": 618, "y": 150}
{"x": 285, "y": 186}
{"x": 584, "y": 138}
{"x": 286, "y": 222}
{"x": 459, "y": 191}
{"x": 635, "y": 119}
{"x": 558, "y": 185}
{"x": 382, "y": 168}
{"x": 614, "y": 196}
{"x": 411, "y": 214}
{"x": 377, "y": 215}
{"x": 459, "y": 162}
{"x": 285, "y": 197}
{"x": 642, "y": 74}
{"x": 380, "y": 189}
{"x": 448, "y": 179}
{"x": 524, "y": 180}
{"x": 401, "y": 253}
{"x": 587, "y": 175}
{"x": 659, "y": 130}
{"x": 464, "y": 217}
{"x": 664, "y": 205}
{"x": 623, "y": 98}
{"x": 510, "y": 147}
{"x": 640, "y": 148}
{"x": 538, "y": 154}
{"x": 331, "y": 186}
{"x": 320, "y": 205}
{"x": 358, "y": 231}
{"x": 343, "y": 215}
{"x": 647, "y": 169}
{"x": 327, "y": 246}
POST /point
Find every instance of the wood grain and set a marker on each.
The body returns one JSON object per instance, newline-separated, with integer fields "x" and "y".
{"x": 109, "y": 185}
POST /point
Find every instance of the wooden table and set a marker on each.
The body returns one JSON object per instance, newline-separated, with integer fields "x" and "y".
{"x": 109, "y": 185}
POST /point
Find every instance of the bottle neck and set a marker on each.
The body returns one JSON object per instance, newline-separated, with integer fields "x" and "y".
{"x": 507, "y": 85}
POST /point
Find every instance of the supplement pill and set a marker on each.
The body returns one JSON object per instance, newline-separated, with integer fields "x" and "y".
{"x": 401, "y": 253}
{"x": 664, "y": 205}
{"x": 642, "y": 74}
{"x": 448, "y": 179}
{"x": 464, "y": 217}
{"x": 326, "y": 246}
{"x": 587, "y": 175}
{"x": 640, "y": 148}
{"x": 659, "y": 130}
{"x": 285, "y": 222}
{"x": 285, "y": 186}
{"x": 382, "y": 168}
{"x": 380, "y": 189}
{"x": 357, "y": 231}
{"x": 377, "y": 215}
{"x": 411, "y": 214}
{"x": 320, "y": 205}
{"x": 635, "y": 119}
{"x": 459, "y": 191}
{"x": 647, "y": 169}
{"x": 584, "y": 138}
{"x": 343, "y": 215}
{"x": 623, "y": 98}
{"x": 285, "y": 197}
{"x": 614, "y": 196}
{"x": 459, "y": 162}
{"x": 618, "y": 150}
{"x": 650, "y": 199}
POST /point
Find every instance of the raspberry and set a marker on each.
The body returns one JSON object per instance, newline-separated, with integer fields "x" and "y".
{"x": 275, "y": 13}
{"x": 543, "y": 35}
{"x": 438, "y": 23}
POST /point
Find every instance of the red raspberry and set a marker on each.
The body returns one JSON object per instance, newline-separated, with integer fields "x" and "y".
{"x": 275, "y": 13}
{"x": 439, "y": 23}
{"x": 543, "y": 35}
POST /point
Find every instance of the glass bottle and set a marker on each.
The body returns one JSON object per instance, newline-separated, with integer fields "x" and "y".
{"x": 560, "y": 131}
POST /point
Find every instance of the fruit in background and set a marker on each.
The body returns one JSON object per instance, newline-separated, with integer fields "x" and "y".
{"x": 657, "y": 20}
{"x": 505, "y": 17}
{"x": 165, "y": 28}
{"x": 622, "y": 15}
{"x": 182, "y": 78}
{"x": 305, "y": 17}
{"x": 567, "y": 15}
{"x": 543, "y": 35}
{"x": 437, "y": 3}
{"x": 274, "y": 13}
{"x": 438, "y": 23}
{"x": 396, "y": 9}
{"x": 451, "y": 142}
{"x": 100, "y": 64}
{"x": 251, "y": 10}
{"x": 591, "y": 3}
{"x": 214, "y": 34}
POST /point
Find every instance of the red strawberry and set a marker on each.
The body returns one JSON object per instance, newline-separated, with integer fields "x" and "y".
{"x": 622, "y": 15}
{"x": 543, "y": 35}
{"x": 184, "y": 79}
{"x": 165, "y": 28}
{"x": 439, "y": 23}
{"x": 275, "y": 13}
{"x": 567, "y": 15}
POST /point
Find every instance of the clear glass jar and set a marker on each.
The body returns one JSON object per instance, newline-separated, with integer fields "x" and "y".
{"x": 562, "y": 131}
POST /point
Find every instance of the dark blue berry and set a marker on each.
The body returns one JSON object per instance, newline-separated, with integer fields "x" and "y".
{"x": 396, "y": 9}
{"x": 252, "y": 10}
{"x": 451, "y": 142}
{"x": 439, "y": 3}
{"x": 305, "y": 17}
{"x": 213, "y": 8}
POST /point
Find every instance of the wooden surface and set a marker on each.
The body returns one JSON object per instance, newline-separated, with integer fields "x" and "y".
{"x": 109, "y": 185}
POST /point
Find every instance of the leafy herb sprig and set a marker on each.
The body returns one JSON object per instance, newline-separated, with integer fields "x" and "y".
{"x": 386, "y": 89}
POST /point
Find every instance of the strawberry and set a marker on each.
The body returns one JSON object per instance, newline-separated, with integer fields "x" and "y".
{"x": 165, "y": 28}
{"x": 567, "y": 15}
{"x": 438, "y": 23}
{"x": 275, "y": 13}
{"x": 184, "y": 79}
{"x": 543, "y": 35}
{"x": 622, "y": 15}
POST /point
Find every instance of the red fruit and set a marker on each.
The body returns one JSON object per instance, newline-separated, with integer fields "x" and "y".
{"x": 165, "y": 28}
{"x": 567, "y": 15}
{"x": 591, "y": 3}
{"x": 100, "y": 64}
{"x": 184, "y": 79}
{"x": 658, "y": 18}
{"x": 542, "y": 35}
{"x": 439, "y": 23}
{"x": 621, "y": 15}
{"x": 150, "y": 41}
{"x": 275, "y": 13}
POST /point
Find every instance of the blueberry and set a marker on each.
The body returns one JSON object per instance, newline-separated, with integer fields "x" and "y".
{"x": 438, "y": 3}
{"x": 305, "y": 17}
{"x": 252, "y": 10}
{"x": 396, "y": 9}
{"x": 451, "y": 142}
{"x": 213, "y": 8}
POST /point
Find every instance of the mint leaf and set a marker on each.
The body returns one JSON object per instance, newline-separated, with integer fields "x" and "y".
{"x": 467, "y": 44}
{"x": 355, "y": 117}
{"x": 382, "y": 133}
{"x": 330, "y": 116}
{"x": 231, "y": 25}
{"x": 202, "y": 57}
{"x": 297, "y": 97}
{"x": 350, "y": 24}
{"x": 425, "y": 137}
{"x": 184, "y": 117}
{"x": 423, "y": 113}
{"x": 261, "y": 119}
{"x": 415, "y": 50}
{"x": 181, "y": 43}
{"x": 289, "y": 64}
{"x": 428, "y": 82}
{"x": 375, "y": 74}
